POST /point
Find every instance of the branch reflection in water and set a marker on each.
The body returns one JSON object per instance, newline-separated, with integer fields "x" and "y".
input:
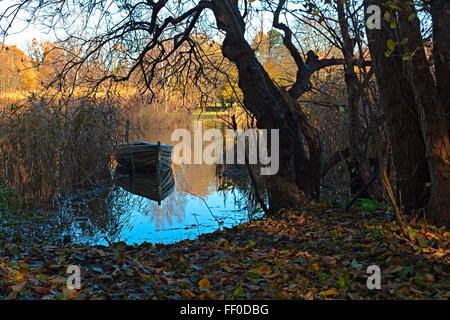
{"x": 179, "y": 204}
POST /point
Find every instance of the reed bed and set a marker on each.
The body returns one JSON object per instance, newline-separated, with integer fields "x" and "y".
{"x": 48, "y": 149}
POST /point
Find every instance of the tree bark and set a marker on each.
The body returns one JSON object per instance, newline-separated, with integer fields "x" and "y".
{"x": 353, "y": 95}
{"x": 440, "y": 14}
{"x": 397, "y": 99}
{"x": 432, "y": 115}
{"x": 293, "y": 182}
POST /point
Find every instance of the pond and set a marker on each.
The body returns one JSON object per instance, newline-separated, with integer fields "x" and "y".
{"x": 203, "y": 199}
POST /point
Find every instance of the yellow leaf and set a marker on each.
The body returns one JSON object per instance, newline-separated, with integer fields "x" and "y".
{"x": 316, "y": 266}
{"x": 204, "y": 283}
{"x": 223, "y": 243}
{"x": 262, "y": 270}
{"x": 328, "y": 293}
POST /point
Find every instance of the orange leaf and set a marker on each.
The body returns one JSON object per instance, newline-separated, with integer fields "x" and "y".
{"x": 204, "y": 283}
{"x": 188, "y": 293}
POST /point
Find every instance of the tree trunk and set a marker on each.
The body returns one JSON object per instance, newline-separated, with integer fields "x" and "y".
{"x": 396, "y": 93}
{"x": 440, "y": 13}
{"x": 432, "y": 115}
{"x": 353, "y": 94}
{"x": 294, "y": 181}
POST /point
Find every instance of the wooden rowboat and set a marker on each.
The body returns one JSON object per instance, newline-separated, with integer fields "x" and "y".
{"x": 153, "y": 185}
{"x": 144, "y": 157}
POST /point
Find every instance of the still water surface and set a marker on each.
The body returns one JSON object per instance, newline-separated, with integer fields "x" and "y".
{"x": 195, "y": 205}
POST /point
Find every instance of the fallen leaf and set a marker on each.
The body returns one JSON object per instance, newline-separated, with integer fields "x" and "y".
{"x": 262, "y": 270}
{"x": 204, "y": 283}
{"x": 42, "y": 290}
{"x": 327, "y": 293}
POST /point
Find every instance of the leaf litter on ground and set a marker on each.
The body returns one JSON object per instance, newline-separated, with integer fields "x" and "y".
{"x": 315, "y": 252}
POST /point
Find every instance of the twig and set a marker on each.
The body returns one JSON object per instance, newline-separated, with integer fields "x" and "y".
{"x": 384, "y": 178}
{"x": 206, "y": 204}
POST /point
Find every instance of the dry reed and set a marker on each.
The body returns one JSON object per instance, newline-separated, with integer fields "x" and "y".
{"x": 48, "y": 149}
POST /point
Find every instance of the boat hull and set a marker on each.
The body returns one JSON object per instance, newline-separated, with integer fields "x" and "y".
{"x": 144, "y": 157}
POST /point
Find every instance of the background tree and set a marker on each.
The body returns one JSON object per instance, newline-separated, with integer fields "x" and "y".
{"x": 16, "y": 70}
{"x": 419, "y": 130}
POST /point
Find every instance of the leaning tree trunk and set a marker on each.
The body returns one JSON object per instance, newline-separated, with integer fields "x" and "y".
{"x": 432, "y": 113}
{"x": 397, "y": 99}
{"x": 294, "y": 181}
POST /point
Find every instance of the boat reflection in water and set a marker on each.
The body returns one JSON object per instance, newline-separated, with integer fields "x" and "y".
{"x": 155, "y": 186}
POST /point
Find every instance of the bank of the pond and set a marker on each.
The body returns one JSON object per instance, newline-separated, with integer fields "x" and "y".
{"x": 315, "y": 253}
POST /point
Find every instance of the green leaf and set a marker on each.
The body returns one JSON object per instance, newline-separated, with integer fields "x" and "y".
{"x": 393, "y": 25}
{"x": 341, "y": 282}
{"x": 392, "y": 5}
{"x": 405, "y": 271}
{"x": 323, "y": 276}
{"x": 412, "y": 231}
{"x": 238, "y": 292}
{"x": 391, "y": 44}
{"x": 344, "y": 281}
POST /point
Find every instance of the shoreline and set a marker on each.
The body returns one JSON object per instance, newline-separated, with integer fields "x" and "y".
{"x": 316, "y": 252}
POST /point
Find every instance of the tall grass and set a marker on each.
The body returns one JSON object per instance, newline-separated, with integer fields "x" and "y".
{"x": 47, "y": 149}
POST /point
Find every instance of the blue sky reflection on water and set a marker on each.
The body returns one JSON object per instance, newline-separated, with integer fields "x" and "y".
{"x": 191, "y": 209}
{"x": 194, "y": 207}
{"x": 195, "y": 218}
